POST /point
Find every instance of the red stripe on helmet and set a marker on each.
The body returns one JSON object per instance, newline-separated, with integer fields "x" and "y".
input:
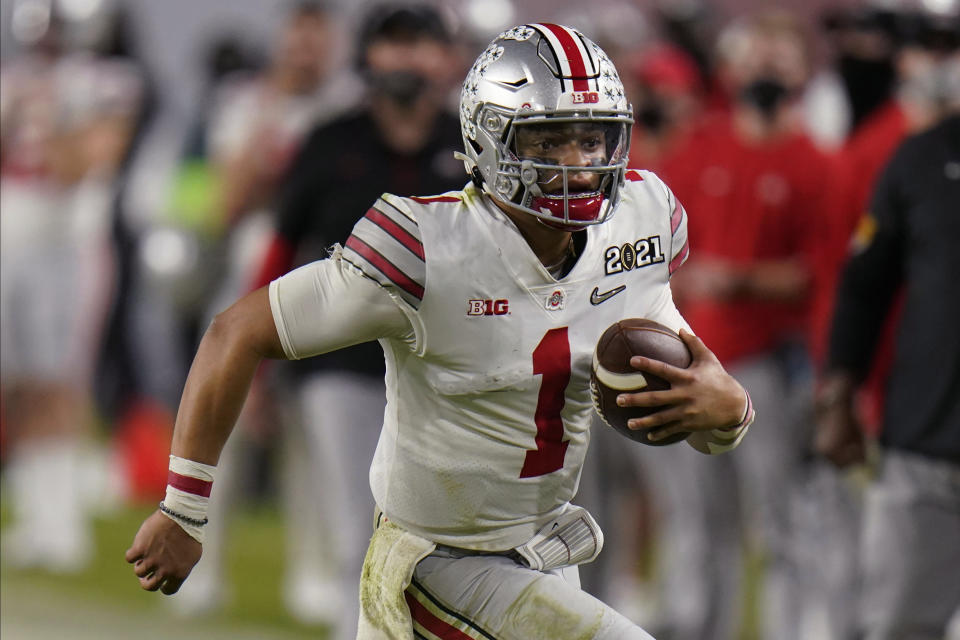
{"x": 578, "y": 67}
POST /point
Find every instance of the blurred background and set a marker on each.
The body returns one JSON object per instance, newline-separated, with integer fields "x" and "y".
{"x": 159, "y": 159}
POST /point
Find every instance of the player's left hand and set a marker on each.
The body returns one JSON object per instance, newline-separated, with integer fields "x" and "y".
{"x": 701, "y": 397}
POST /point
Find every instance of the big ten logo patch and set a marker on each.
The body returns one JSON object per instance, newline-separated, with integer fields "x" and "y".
{"x": 633, "y": 255}
{"x": 488, "y": 307}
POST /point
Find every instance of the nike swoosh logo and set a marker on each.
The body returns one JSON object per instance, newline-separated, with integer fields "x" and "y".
{"x": 597, "y": 298}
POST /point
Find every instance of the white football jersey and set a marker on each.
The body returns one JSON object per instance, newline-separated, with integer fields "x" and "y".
{"x": 489, "y": 408}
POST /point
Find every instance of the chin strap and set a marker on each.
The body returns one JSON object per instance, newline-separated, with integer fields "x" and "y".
{"x": 471, "y": 166}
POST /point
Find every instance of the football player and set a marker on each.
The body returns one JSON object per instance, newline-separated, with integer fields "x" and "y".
{"x": 488, "y": 303}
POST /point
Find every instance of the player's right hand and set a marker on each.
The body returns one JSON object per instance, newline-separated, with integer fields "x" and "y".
{"x": 162, "y": 554}
{"x": 838, "y": 436}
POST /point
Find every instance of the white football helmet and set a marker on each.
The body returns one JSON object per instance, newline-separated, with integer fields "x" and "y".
{"x": 546, "y": 125}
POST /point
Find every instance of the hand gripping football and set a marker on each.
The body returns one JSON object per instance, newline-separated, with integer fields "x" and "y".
{"x": 612, "y": 374}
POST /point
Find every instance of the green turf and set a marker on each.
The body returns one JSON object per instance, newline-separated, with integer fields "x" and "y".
{"x": 254, "y": 563}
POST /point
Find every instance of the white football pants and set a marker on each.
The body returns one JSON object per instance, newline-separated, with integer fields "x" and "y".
{"x": 484, "y": 597}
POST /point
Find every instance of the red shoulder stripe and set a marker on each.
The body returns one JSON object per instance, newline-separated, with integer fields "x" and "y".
{"x": 680, "y": 257}
{"x": 384, "y": 266}
{"x": 432, "y": 199}
{"x": 397, "y": 232}
{"x": 634, "y": 176}
{"x": 677, "y": 216}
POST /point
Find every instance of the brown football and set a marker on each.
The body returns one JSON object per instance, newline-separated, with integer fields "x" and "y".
{"x": 612, "y": 374}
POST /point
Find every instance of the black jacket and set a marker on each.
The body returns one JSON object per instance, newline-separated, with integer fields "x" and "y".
{"x": 915, "y": 245}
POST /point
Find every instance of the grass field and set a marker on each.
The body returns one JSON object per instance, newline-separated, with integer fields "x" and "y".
{"x": 105, "y": 602}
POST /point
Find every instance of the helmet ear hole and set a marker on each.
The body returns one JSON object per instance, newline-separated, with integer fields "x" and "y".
{"x": 476, "y": 146}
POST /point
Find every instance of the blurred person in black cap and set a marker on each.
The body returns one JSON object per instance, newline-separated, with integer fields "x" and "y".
{"x": 909, "y": 548}
{"x": 401, "y": 140}
{"x": 865, "y": 41}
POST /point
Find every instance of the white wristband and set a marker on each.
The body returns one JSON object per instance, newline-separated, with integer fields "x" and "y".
{"x": 188, "y": 494}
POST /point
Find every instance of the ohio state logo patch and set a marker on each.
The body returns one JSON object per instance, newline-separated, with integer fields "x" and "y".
{"x": 477, "y": 307}
{"x": 556, "y": 300}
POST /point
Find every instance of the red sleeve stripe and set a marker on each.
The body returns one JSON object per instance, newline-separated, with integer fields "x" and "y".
{"x": 187, "y": 484}
{"x": 680, "y": 257}
{"x": 384, "y": 266}
{"x": 397, "y": 232}
{"x": 677, "y": 216}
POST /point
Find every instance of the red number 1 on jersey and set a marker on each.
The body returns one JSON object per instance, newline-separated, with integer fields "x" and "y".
{"x": 551, "y": 358}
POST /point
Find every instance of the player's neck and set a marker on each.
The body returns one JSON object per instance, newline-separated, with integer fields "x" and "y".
{"x": 550, "y": 245}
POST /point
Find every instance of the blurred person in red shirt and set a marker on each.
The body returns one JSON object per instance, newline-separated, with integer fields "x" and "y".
{"x": 752, "y": 182}
{"x": 666, "y": 90}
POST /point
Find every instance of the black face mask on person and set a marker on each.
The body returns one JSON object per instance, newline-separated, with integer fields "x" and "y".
{"x": 400, "y": 87}
{"x": 868, "y": 82}
{"x": 765, "y": 94}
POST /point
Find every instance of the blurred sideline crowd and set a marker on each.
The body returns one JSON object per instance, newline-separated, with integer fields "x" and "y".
{"x": 771, "y": 127}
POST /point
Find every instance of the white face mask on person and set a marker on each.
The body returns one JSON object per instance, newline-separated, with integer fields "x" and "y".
{"x": 934, "y": 82}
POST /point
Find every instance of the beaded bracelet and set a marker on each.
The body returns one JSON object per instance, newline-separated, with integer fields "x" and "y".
{"x": 179, "y": 516}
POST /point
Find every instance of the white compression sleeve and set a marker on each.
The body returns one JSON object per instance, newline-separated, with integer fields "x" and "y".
{"x": 328, "y": 305}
